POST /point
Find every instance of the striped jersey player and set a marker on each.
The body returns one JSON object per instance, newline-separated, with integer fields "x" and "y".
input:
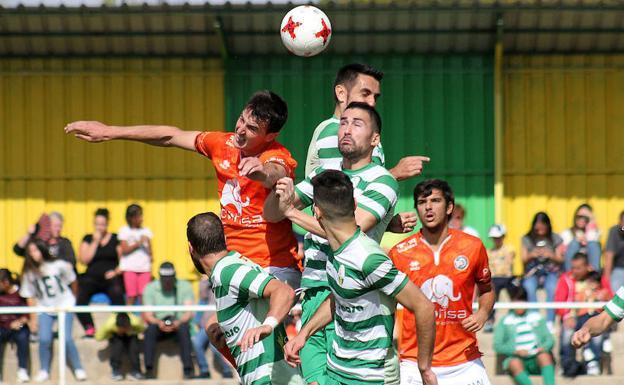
{"x": 365, "y": 286}
{"x": 251, "y": 305}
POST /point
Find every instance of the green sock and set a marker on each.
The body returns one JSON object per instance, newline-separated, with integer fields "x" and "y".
{"x": 523, "y": 378}
{"x": 548, "y": 373}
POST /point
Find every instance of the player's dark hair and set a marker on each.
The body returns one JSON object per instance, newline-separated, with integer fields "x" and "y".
{"x": 122, "y": 320}
{"x": 205, "y": 233}
{"x": 426, "y": 187}
{"x": 102, "y": 212}
{"x": 269, "y": 108}
{"x": 132, "y": 211}
{"x": 518, "y": 294}
{"x": 29, "y": 263}
{"x": 372, "y": 113}
{"x": 346, "y": 75}
{"x": 581, "y": 257}
{"x": 333, "y": 194}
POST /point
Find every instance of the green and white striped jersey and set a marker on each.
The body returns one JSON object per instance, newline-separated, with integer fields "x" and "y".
{"x": 238, "y": 285}
{"x": 375, "y": 190}
{"x": 524, "y": 325}
{"x": 615, "y": 307}
{"x": 323, "y": 149}
{"x": 364, "y": 282}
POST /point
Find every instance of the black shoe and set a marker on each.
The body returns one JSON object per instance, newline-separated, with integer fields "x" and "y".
{"x": 228, "y": 375}
{"x": 189, "y": 376}
{"x": 205, "y": 375}
{"x": 150, "y": 375}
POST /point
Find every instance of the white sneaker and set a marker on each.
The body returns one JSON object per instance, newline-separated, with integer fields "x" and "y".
{"x": 43, "y": 376}
{"x": 593, "y": 369}
{"x": 607, "y": 346}
{"x": 22, "y": 376}
{"x": 80, "y": 374}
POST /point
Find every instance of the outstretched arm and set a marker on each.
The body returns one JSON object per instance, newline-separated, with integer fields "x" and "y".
{"x": 408, "y": 167}
{"x": 593, "y": 327}
{"x": 415, "y": 301}
{"x": 162, "y": 136}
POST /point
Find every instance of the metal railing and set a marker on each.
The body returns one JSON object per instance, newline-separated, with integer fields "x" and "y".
{"x": 61, "y": 312}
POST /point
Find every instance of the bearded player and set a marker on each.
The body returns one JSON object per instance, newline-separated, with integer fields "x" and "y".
{"x": 447, "y": 265}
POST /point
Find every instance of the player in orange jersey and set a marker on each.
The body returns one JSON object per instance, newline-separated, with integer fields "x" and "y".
{"x": 248, "y": 162}
{"x": 446, "y": 264}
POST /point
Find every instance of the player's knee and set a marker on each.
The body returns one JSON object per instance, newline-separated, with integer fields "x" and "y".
{"x": 544, "y": 359}
{"x": 516, "y": 366}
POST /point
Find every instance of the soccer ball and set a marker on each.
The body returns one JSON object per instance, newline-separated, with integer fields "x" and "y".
{"x": 306, "y": 31}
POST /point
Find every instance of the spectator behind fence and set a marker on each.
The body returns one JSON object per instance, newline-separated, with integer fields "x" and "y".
{"x": 168, "y": 290}
{"x": 48, "y": 229}
{"x": 578, "y": 286}
{"x": 50, "y": 282}
{"x": 14, "y": 327}
{"x": 583, "y": 237}
{"x": 542, "y": 261}
{"x": 524, "y": 339}
{"x": 457, "y": 221}
{"x": 200, "y": 339}
{"x": 614, "y": 255}
{"x": 122, "y": 330}
{"x": 501, "y": 259}
{"x": 100, "y": 251}
{"x": 136, "y": 254}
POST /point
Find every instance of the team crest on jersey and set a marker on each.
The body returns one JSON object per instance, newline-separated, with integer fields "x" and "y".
{"x": 404, "y": 246}
{"x": 461, "y": 263}
{"x": 225, "y": 164}
{"x": 414, "y": 266}
{"x": 341, "y": 275}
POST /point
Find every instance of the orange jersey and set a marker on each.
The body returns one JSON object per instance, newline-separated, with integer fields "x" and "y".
{"x": 448, "y": 279}
{"x": 242, "y": 202}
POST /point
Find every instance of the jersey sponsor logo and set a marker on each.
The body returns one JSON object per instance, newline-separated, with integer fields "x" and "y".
{"x": 231, "y": 195}
{"x": 414, "y": 266}
{"x": 461, "y": 263}
{"x": 404, "y": 246}
{"x": 440, "y": 290}
{"x": 232, "y": 332}
{"x": 351, "y": 309}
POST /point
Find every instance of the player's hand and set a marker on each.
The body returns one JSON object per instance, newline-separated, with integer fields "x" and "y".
{"x": 428, "y": 377}
{"x": 285, "y": 191}
{"x": 409, "y": 166}
{"x": 253, "y": 336}
{"x": 474, "y": 322}
{"x": 90, "y": 131}
{"x": 252, "y": 168}
{"x": 403, "y": 222}
{"x": 216, "y": 335}
{"x": 581, "y": 338}
{"x": 521, "y": 353}
{"x": 292, "y": 349}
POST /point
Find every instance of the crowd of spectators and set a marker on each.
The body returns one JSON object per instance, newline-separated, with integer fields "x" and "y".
{"x": 571, "y": 266}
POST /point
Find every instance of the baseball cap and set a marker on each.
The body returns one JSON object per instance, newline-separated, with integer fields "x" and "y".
{"x": 497, "y": 231}
{"x": 166, "y": 270}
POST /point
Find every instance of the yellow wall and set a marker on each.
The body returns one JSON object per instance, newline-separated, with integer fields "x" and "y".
{"x": 42, "y": 169}
{"x": 563, "y": 139}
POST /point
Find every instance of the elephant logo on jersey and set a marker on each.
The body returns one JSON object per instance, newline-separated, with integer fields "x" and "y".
{"x": 231, "y": 196}
{"x": 439, "y": 289}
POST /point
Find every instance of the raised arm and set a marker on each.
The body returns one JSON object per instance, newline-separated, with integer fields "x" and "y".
{"x": 162, "y": 136}
{"x": 408, "y": 167}
{"x": 415, "y": 301}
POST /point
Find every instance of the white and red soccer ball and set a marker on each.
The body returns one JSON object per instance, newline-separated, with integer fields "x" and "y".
{"x": 306, "y": 31}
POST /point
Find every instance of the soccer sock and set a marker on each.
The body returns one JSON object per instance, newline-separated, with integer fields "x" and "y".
{"x": 523, "y": 378}
{"x": 548, "y": 373}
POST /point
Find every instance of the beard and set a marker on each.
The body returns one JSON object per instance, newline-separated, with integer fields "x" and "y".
{"x": 351, "y": 151}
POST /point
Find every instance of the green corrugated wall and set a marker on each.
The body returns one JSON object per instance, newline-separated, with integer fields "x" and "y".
{"x": 439, "y": 106}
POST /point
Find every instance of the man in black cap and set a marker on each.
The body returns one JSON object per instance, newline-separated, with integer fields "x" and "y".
{"x": 168, "y": 290}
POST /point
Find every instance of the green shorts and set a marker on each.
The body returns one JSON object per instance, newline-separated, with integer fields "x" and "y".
{"x": 314, "y": 353}
{"x": 530, "y": 364}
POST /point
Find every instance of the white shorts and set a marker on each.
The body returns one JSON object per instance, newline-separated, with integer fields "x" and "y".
{"x": 469, "y": 373}
{"x": 288, "y": 275}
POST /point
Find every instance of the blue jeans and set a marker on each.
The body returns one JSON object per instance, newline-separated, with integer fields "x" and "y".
{"x": 46, "y": 321}
{"x": 592, "y": 250}
{"x": 617, "y": 278}
{"x": 532, "y": 283}
{"x": 200, "y": 344}
{"x": 21, "y": 338}
{"x": 567, "y": 352}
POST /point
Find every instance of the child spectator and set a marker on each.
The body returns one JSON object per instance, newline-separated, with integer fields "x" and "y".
{"x": 525, "y": 340}
{"x": 48, "y": 281}
{"x": 122, "y": 330}
{"x": 100, "y": 253}
{"x": 136, "y": 254}
{"x": 14, "y": 327}
{"x": 501, "y": 259}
